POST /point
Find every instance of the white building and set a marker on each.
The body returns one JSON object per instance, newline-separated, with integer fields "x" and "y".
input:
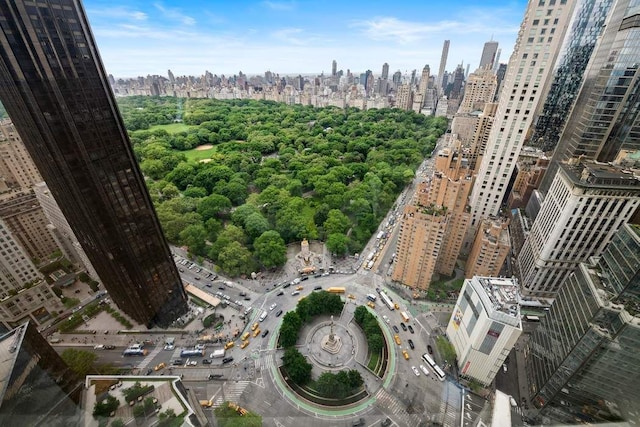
{"x": 485, "y": 326}
{"x": 586, "y": 204}
{"x": 524, "y": 89}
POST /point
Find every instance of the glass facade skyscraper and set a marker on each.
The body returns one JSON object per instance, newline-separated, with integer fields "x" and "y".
{"x": 584, "y": 356}
{"x": 56, "y": 91}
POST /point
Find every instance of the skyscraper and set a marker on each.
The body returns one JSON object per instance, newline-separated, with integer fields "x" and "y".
{"x": 585, "y": 206}
{"x": 488, "y": 55}
{"x": 479, "y": 89}
{"x": 55, "y": 89}
{"x": 334, "y": 68}
{"x": 584, "y": 356}
{"x": 605, "y": 118}
{"x": 385, "y": 71}
{"x": 525, "y": 85}
{"x": 443, "y": 66}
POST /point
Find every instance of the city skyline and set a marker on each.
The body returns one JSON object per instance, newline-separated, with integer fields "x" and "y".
{"x": 138, "y": 38}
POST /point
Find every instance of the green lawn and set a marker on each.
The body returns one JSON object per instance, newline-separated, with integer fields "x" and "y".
{"x": 197, "y": 155}
{"x": 173, "y": 127}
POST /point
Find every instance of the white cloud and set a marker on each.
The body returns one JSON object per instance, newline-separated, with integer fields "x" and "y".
{"x": 175, "y": 14}
{"x": 120, "y": 12}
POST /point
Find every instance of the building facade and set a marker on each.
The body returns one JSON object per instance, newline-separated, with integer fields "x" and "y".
{"x": 16, "y": 167}
{"x": 586, "y": 204}
{"x": 490, "y": 249}
{"x": 67, "y": 116}
{"x": 479, "y": 89}
{"x": 484, "y": 326}
{"x": 584, "y": 356}
{"x": 524, "y": 88}
{"x": 488, "y": 57}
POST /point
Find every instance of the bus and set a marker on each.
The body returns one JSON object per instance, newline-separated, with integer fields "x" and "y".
{"x": 386, "y": 300}
{"x": 404, "y": 316}
{"x": 372, "y": 297}
{"x": 439, "y": 373}
{"x": 135, "y": 352}
{"x": 192, "y": 353}
{"x": 335, "y": 290}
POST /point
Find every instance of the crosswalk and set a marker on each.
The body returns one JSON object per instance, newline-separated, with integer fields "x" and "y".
{"x": 145, "y": 362}
{"x": 389, "y": 403}
{"x": 231, "y": 392}
{"x": 265, "y": 363}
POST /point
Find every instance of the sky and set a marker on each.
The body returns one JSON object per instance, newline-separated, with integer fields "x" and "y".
{"x": 137, "y": 37}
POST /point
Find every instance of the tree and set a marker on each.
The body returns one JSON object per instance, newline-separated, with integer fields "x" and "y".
{"x": 105, "y": 407}
{"x": 194, "y": 237}
{"x": 117, "y": 423}
{"x": 338, "y": 244}
{"x": 336, "y": 222}
{"x": 255, "y": 224}
{"x": 80, "y": 361}
{"x": 270, "y": 249}
{"x": 213, "y": 206}
{"x": 296, "y": 366}
{"x": 235, "y": 259}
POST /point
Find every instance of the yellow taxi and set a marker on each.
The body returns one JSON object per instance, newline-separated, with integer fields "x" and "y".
{"x": 256, "y": 333}
{"x": 228, "y": 345}
{"x": 255, "y": 326}
{"x": 396, "y": 338}
{"x": 159, "y": 366}
{"x": 299, "y": 288}
{"x": 245, "y": 336}
{"x": 244, "y": 344}
{"x": 396, "y": 306}
{"x": 405, "y": 354}
{"x": 370, "y": 304}
{"x": 350, "y": 296}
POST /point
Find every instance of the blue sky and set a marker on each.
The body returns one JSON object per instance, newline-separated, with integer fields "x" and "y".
{"x": 190, "y": 36}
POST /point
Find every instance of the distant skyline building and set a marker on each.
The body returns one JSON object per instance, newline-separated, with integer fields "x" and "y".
{"x": 488, "y": 56}
{"x": 583, "y": 357}
{"x": 525, "y": 86}
{"x": 496, "y": 62}
{"x": 385, "y": 71}
{"x": 585, "y": 206}
{"x": 443, "y": 67}
{"x": 484, "y": 326}
{"x": 67, "y": 116}
{"x": 334, "y": 68}
{"x": 605, "y": 118}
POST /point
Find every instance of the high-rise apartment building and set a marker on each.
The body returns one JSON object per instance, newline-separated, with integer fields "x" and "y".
{"x": 605, "y": 118}
{"x": 584, "y": 207}
{"x": 479, "y": 89}
{"x": 23, "y": 291}
{"x": 432, "y": 231}
{"x": 588, "y": 24}
{"x": 530, "y": 168}
{"x": 61, "y": 230}
{"x": 583, "y": 358}
{"x": 481, "y": 135}
{"x": 489, "y": 250}
{"x": 20, "y": 211}
{"x": 443, "y": 67}
{"x": 16, "y": 167}
{"x": 404, "y": 97}
{"x": 525, "y": 86}
{"x": 56, "y": 91}
{"x": 484, "y": 326}
{"x": 488, "y": 55}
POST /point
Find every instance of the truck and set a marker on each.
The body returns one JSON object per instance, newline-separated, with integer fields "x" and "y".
{"x": 308, "y": 270}
{"x": 372, "y": 297}
{"x": 217, "y": 354}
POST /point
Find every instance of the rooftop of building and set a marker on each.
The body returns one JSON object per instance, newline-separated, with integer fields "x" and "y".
{"x": 601, "y": 175}
{"x": 503, "y": 295}
{"x": 9, "y": 344}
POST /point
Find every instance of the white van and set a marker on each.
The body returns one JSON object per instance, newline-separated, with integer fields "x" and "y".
{"x": 263, "y": 316}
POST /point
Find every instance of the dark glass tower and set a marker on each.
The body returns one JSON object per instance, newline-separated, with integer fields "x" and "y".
{"x": 56, "y": 91}
{"x": 584, "y": 355}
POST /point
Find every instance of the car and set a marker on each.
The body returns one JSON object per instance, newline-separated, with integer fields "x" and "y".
{"x": 351, "y": 296}
{"x": 243, "y": 294}
{"x": 227, "y": 360}
{"x": 324, "y": 274}
{"x": 149, "y": 371}
{"x": 280, "y": 294}
{"x": 299, "y": 288}
{"x": 395, "y": 329}
{"x": 396, "y": 338}
{"x": 302, "y": 279}
{"x": 109, "y": 346}
{"x": 228, "y": 345}
{"x": 197, "y": 278}
{"x": 294, "y": 293}
{"x": 198, "y": 270}
{"x": 358, "y": 423}
{"x": 405, "y": 353}
{"x": 279, "y": 313}
{"x": 192, "y": 363}
{"x": 221, "y": 288}
{"x": 410, "y": 328}
{"x": 317, "y": 288}
{"x": 265, "y": 333}
{"x": 159, "y": 366}
{"x": 430, "y": 349}
{"x": 378, "y": 290}
{"x": 244, "y": 344}
{"x": 286, "y": 285}
{"x": 424, "y": 370}
{"x": 206, "y": 361}
{"x": 247, "y": 299}
{"x": 272, "y": 306}
{"x": 296, "y": 281}
{"x": 317, "y": 275}
{"x": 403, "y": 326}
{"x": 415, "y": 371}
{"x": 177, "y": 362}
{"x": 238, "y": 303}
{"x": 209, "y": 285}
{"x": 372, "y": 305}
{"x": 255, "y": 326}
{"x": 411, "y": 344}
{"x": 397, "y": 307}
{"x": 98, "y": 347}
{"x": 214, "y": 376}
{"x": 386, "y": 319}
{"x": 386, "y": 422}
{"x": 169, "y": 347}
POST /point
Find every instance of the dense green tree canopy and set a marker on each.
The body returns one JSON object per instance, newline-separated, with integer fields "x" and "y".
{"x": 304, "y": 172}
